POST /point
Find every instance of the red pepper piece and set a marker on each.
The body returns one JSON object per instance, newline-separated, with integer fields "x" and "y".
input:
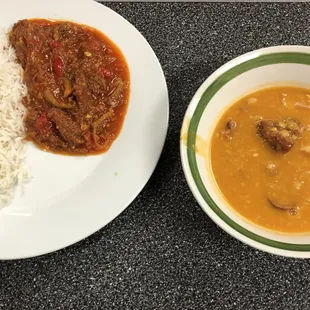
{"x": 105, "y": 72}
{"x": 43, "y": 124}
{"x": 58, "y": 66}
{"x": 54, "y": 44}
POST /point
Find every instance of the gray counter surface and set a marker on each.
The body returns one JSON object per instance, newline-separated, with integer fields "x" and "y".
{"x": 163, "y": 252}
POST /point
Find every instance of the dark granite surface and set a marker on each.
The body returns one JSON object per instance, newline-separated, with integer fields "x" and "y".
{"x": 163, "y": 252}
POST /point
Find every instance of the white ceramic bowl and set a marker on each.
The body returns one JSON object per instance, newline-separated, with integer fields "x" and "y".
{"x": 281, "y": 65}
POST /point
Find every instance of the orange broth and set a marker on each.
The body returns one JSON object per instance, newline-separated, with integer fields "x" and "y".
{"x": 240, "y": 164}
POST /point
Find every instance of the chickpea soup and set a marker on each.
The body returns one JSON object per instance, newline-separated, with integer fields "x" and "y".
{"x": 260, "y": 158}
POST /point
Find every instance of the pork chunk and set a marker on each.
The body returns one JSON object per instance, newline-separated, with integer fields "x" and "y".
{"x": 280, "y": 134}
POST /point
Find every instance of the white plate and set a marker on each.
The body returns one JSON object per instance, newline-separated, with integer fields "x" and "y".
{"x": 70, "y": 198}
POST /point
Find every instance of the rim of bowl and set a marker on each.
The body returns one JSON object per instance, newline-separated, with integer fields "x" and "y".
{"x": 251, "y": 60}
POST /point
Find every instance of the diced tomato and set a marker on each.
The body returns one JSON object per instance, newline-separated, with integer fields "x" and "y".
{"x": 54, "y": 44}
{"x": 58, "y": 66}
{"x": 88, "y": 137}
{"x": 119, "y": 67}
{"x": 95, "y": 45}
{"x": 105, "y": 72}
{"x": 43, "y": 125}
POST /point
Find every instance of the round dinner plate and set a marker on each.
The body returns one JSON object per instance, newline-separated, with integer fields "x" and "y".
{"x": 69, "y": 198}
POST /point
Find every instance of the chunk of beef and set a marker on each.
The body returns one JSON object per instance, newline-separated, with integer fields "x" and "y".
{"x": 279, "y": 134}
{"x": 69, "y": 130}
{"x": 230, "y": 126}
{"x": 88, "y": 80}
{"x": 82, "y": 92}
{"x": 116, "y": 93}
{"x": 96, "y": 84}
{"x": 17, "y": 38}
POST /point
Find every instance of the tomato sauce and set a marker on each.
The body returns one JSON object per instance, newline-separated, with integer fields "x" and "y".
{"x": 78, "y": 85}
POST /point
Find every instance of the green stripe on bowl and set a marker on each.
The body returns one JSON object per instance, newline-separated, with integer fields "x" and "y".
{"x": 269, "y": 59}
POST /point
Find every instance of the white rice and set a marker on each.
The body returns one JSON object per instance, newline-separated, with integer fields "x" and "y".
{"x": 12, "y": 148}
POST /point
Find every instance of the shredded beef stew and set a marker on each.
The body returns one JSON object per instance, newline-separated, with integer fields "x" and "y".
{"x": 78, "y": 85}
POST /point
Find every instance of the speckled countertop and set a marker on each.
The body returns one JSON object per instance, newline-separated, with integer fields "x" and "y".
{"x": 163, "y": 252}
